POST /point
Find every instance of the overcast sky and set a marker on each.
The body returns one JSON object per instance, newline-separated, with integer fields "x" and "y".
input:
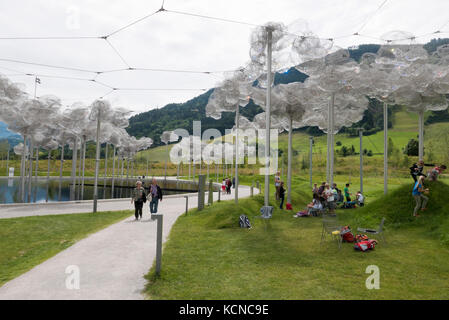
{"x": 172, "y": 41}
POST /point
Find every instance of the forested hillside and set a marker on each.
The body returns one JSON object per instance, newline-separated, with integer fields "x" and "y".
{"x": 181, "y": 115}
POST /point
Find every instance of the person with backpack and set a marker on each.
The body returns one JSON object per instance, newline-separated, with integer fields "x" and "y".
{"x": 138, "y": 198}
{"x": 155, "y": 193}
{"x": 228, "y": 185}
{"x": 281, "y": 194}
{"x": 420, "y": 198}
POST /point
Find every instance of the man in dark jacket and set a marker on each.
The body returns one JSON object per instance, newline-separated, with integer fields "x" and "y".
{"x": 417, "y": 168}
{"x": 155, "y": 193}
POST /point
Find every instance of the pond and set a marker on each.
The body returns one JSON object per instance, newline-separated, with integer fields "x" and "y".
{"x": 10, "y": 190}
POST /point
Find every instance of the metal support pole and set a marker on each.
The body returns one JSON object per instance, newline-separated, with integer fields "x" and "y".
{"x": 268, "y": 119}
{"x": 331, "y": 168}
{"x": 159, "y": 218}
{"x": 113, "y": 173}
{"x": 60, "y": 170}
{"x": 201, "y": 191}
{"x": 310, "y": 161}
{"x": 328, "y": 160}
{"x": 289, "y": 160}
{"x": 385, "y": 148}
{"x": 84, "y": 167}
{"x": 236, "y": 192}
{"x": 105, "y": 171}
{"x": 166, "y": 160}
{"x": 97, "y": 160}
{"x": 30, "y": 171}
{"x": 7, "y": 163}
{"x": 48, "y": 175}
{"x": 421, "y": 135}
{"x": 74, "y": 157}
{"x": 187, "y": 203}
{"x": 80, "y": 162}
{"x": 361, "y": 160}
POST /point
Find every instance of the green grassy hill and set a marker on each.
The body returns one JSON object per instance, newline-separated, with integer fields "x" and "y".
{"x": 208, "y": 256}
{"x": 397, "y": 207}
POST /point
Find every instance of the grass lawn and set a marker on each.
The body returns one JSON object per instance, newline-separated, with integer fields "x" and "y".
{"x": 28, "y": 241}
{"x": 208, "y": 256}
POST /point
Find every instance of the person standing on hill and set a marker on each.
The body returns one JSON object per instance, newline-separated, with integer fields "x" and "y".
{"x": 138, "y": 198}
{"x": 277, "y": 184}
{"x": 156, "y": 196}
{"x": 417, "y": 168}
{"x": 347, "y": 193}
{"x": 281, "y": 194}
{"x": 417, "y": 193}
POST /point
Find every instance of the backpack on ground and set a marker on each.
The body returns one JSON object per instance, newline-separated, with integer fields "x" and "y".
{"x": 347, "y": 235}
{"x": 361, "y": 237}
{"x": 244, "y": 222}
{"x": 365, "y": 245}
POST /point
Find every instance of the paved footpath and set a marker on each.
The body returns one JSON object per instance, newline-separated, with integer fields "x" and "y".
{"x": 111, "y": 263}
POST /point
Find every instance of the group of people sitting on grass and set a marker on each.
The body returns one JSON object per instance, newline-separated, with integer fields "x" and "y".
{"x": 419, "y": 191}
{"x": 330, "y": 198}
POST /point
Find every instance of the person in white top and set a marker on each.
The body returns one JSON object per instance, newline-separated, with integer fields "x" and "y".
{"x": 329, "y": 195}
{"x": 360, "y": 199}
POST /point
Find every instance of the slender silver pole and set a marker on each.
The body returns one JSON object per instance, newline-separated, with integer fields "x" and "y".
{"x": 84, "y": 167}
{"x": 289, "y": 160}
{"x": 48, "y": 175}
{"x": 328, "y": 161}
{"x": 421, "y": 135}
{"x": 166, "y": 160}
{"x": 36, "y": 168}
{"x": 60, "y": 170}
{"x": 30, "y": 171}
{"x": 385, "y": 148}
{"x": 310, "y": 161}
{"x": 236, "y": 192}
{"x": 7, "y": 163}
{"x": 105, "y": 171}
{"x": 331, "y": 168}
{"x": 113, "y": 173}
{"x": 74, "y": 157}
{"x": 267, "y": 119}
{"x": 22, "y": 170}
{"x": 97, "y": 161}
{"x": 78, "y": 181}
{"x": 361, "y": 160}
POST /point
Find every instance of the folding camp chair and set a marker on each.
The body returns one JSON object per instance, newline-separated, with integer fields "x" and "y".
{"x": 331, "y": 227}
{"x": 379, "y": 231}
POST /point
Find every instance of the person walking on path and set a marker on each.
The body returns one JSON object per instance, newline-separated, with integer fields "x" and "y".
{"x": 417, "y": 193}
{"x": 138, "y": 198}
{"x": 156, "y": 196}
{"x": 281, "y": 194}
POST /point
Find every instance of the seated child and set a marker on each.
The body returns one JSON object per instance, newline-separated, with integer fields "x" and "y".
{"x": 312, "y": 208}
{"x": 360, "y": 199}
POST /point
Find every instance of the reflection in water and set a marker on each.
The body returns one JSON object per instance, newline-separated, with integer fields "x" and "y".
{"x": 10, "y": 191}
{"x": 41, "y": 191}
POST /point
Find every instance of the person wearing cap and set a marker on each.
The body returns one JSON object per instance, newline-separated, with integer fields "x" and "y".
{"x": 138, "y": 198}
